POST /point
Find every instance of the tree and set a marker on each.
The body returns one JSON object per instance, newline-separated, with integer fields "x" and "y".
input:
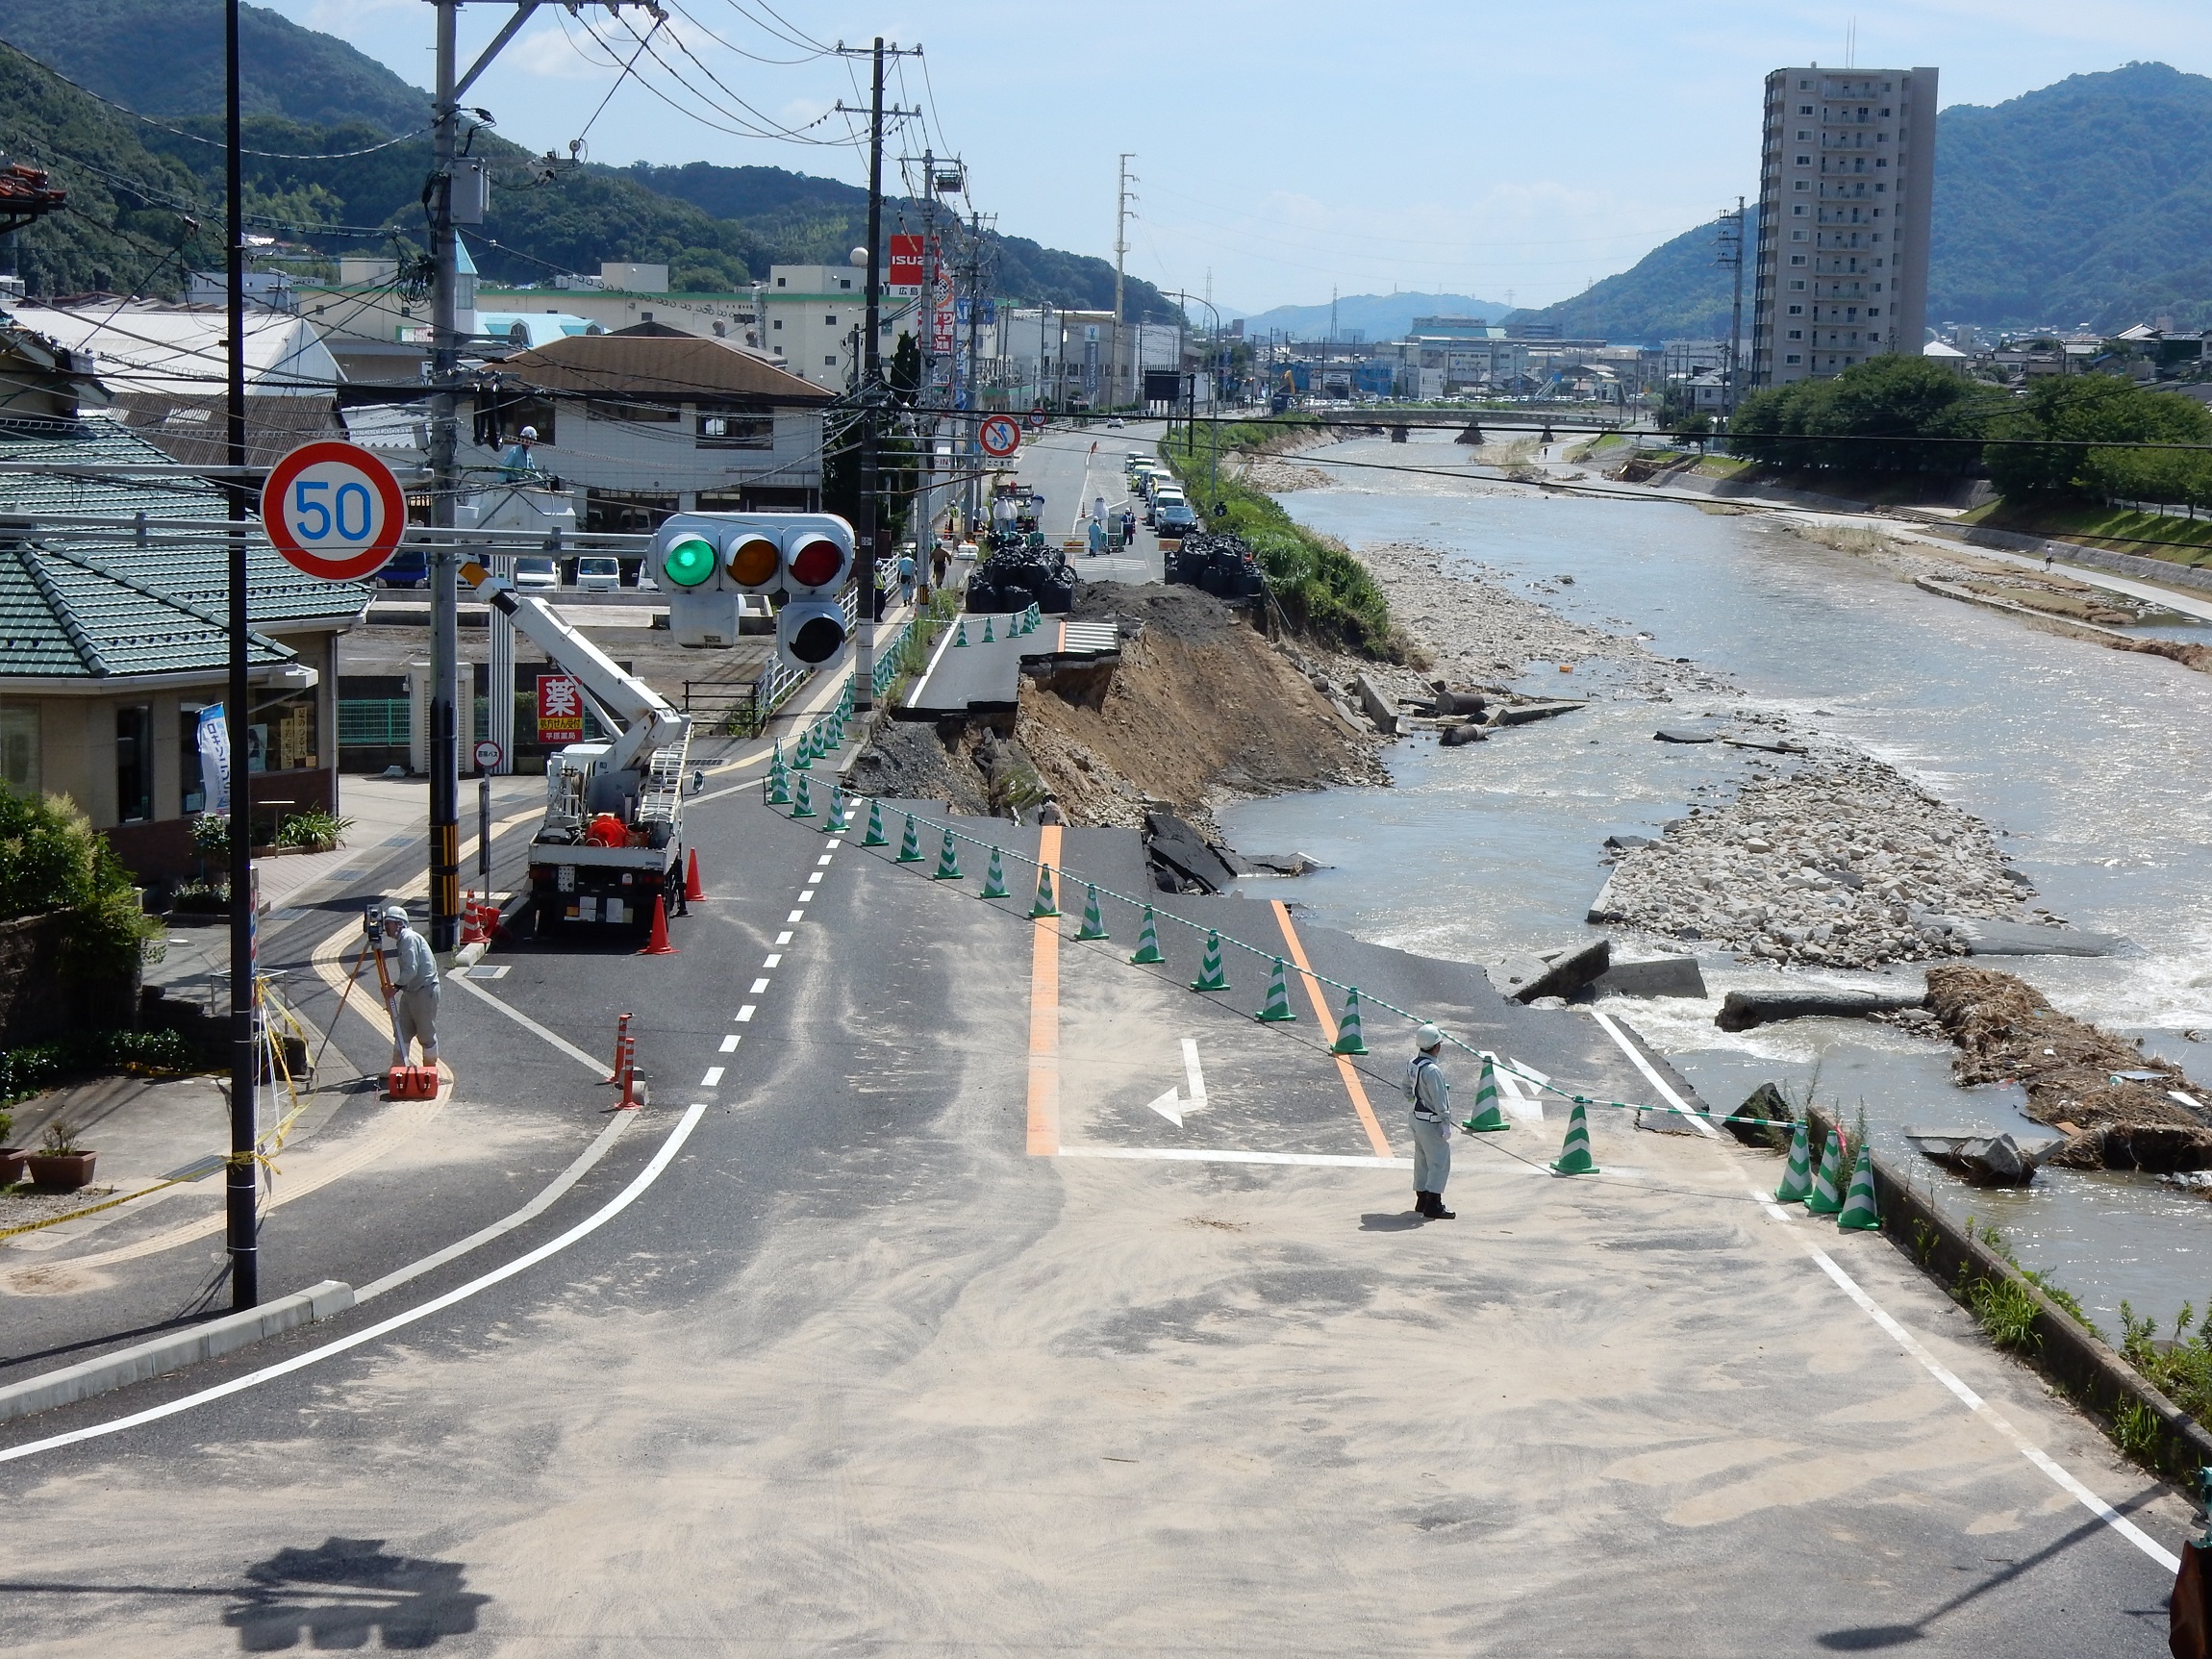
{"x": 1907, "y": 401}
{"x": 2069, "y": 416}
{"x": 906, "y": 369}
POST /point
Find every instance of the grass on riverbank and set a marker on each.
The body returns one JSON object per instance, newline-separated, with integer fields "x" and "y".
{"x": 2114, "y": 529}
{"x": 1323, "y": 591}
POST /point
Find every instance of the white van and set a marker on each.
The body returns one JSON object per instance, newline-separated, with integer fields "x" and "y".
{"x": 535, "y": 575}
{"x": 598, "y": 573}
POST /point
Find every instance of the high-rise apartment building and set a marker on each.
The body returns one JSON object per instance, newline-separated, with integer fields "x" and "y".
{"x": 1846, "y": 185}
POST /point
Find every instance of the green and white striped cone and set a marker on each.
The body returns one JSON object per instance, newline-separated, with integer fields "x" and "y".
{"x": 1093, "y": 924}
{"x": 910, "y": 846}
{"x": 1209, "y": 974}
{"x": 960, "y": 634}
{"x": 1798, "y": 1179}
{"x": 841, "y": 813}
{"x": 994, "y": 878}
{"x": 1036, "y": 617}
{"x": 1861, "y": 1215}
{"x": 803, "y": 751}
{"x": 875, "y": 836}
{"x": 1147, "y": 941}
{"x": 1348, "y": 1039}
{"x": 1045, "y": 904}
{"x": 986, "y": 638}
{"x": 1826, "y": 1198}
{"x": 1489, "y": 1115}
{"x": 948, "y": 861}
{"x": 805, "y": 806}
{"x": 1278, "y": 1005}
{"x": 1574, "y": 1156}
{"x": 779, "y": 784}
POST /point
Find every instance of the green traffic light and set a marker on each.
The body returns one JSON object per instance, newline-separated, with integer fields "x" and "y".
{"x": 689, "y": 561}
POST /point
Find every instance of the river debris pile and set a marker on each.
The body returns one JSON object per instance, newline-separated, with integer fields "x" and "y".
{"x": 1834, "y": 864}
{"x": 2114, "y": 1102}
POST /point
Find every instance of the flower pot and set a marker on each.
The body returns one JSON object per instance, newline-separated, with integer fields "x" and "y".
{"x": 59, "y": 1172}
{"x": 10, "y": 1166}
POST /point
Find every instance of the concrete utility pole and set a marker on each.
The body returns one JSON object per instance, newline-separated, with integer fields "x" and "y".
{"x": 1123, "y": 197}
{"x": 241, "y": 1176}
{"x": 1733, "y": 255}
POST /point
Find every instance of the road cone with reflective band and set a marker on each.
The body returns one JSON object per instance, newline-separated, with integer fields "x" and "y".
{"x": 841, "y": 814}
{"x": 910, "y": 844}
{"x": 960, "y": 634}
{"x": 803, "y": 751}
{"x": 1798, "y": 1179}
{"x": 1209, "y": 974}
{"x": 1093, "y": 924}
{"x": 948, "y": 861}
{"x": 658, "y": 944}
{"x": 1045, "y": 905}
{"x": 779, "y": 782}
{"x": 1348, "y": 1039}
{"x": 804, "y": 806}
{"x": 1279, "y": 1004}
{"x": 875, "y": 836}
{"x": 994, "y": 878}
{"x": 1861, "y": 1215}
{"x": 694, "y": 888}
{"x": 1826, "y": 1198}
{"x": 986, "y": 638}
{"x": 1574, "y": 1156}
{"x": 1489, "y": 1115}
{"x": 1147, "y": 941}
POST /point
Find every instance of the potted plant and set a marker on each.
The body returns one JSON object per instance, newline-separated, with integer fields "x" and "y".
{"x": 61, "y": 1164}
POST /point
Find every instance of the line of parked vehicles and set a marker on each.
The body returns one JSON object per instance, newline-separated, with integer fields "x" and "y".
{"x": 594, "y": 573}
{"x": 1167, "y": 508}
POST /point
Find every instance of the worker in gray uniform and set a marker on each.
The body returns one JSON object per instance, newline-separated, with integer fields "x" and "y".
{"x": 1428, "y": 1100}
{"x": 414, "y": 973}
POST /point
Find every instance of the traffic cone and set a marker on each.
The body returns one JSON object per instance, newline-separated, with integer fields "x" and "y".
{"x": 875, "y": 836}
{"x": 987, "y": 640}
{"x": 1045, "y": 905}
{"x": 1489, "y": 1116}
{"x": 658, "y": 944}
{"x": 1348, "y": 1039}
{"x": 1827, "y": 1198}
{"x": 1798, "y": 1179}
{"x": 1860, "y": 1212}
{"x": 948, "y": 861}
{"x": 910, "y": 846}
{"x": 1147, "y": 941}
{"x": 1210, "y": 975}
{"x": 804, "y": 807}
{"x": 841, "y": 814}
{"x": 779, "y": 783}
{"x": 1093, "y": 924}
{"x": 1278, "y": 1006}
{"x": 1574, "y": 1156}
{"x": 960, "y": 634}
{"x": 803, "y": 751}
{"x": 692, "y": 888}
{"x": 621, "y": 1047}
{"x": 994, "y": 879}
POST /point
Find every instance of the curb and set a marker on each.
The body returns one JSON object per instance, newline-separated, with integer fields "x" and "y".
{"x": 173, "y": 1352}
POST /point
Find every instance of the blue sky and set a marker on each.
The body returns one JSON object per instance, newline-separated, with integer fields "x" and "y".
{"x": 1508, "y": 151}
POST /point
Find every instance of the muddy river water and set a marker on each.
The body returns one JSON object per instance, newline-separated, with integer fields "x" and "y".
{"x": 2094, "y": 767}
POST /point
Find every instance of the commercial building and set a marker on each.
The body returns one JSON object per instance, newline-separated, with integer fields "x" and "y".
{"x": 1847, "y": 187}
{"x": 810, "y": 317}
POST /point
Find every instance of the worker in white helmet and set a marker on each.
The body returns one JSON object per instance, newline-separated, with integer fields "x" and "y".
{"x": 517, "y": 465}
{"x": 415, "y": 987}
{"x": 1428, "y": 1100}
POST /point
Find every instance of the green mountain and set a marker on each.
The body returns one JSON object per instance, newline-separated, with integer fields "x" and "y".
{"x": 166, "y": 58}
{"x": 2085, "y": 202}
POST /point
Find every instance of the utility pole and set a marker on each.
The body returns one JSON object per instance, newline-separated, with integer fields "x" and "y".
{"x": 241, "y": 1174}
{"x": 1733, "y": 255}
{"x": 970, "y": 399}
{"x": 1122, "y": 198}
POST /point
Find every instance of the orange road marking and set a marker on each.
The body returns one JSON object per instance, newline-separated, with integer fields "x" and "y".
{"x": 1045, "y": 1015}
{"x": 1328, "y": 1024}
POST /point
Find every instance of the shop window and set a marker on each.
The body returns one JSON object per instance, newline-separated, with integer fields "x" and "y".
{"x": 134, "y": 763}
{"x": 19, "y": 750}
{"x": 737, "y": 432}
{"x": 281, "y": 733}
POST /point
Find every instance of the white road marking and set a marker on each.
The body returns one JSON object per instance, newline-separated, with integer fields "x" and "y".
{"x": 807, "y": 897}
{"x": 592, "y": 1223}
{"x": 531, "y": 1026}
{"x": 783, "y": 938}
{"x": 730, "y": 1043}
{"x": 1973, "y": 1402}
{"x": 1187, "y": 1155}
{"x": 713, "y": 1079}
{"x": 759, "y": 986}
{"x": 1193, "y": 1075}
{"x": 796, "y": 916}
{"x": 746, "y": 1012}
{"x": 1651, "y": 1077}
{"x": 775, "y": 960}
{"x": 824, "y": 859}
{"x": 1516, "y": 1103}
{"x": 1166, "y": 1106}
{"x": 837, "y": 841}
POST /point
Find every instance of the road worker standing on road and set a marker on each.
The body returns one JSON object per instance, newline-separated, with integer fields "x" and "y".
{"x": 415, "y": 987}
{"x": 1428, "y": 1099}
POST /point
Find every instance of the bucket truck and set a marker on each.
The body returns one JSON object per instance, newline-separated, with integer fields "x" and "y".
{"x": 613, "y": 839}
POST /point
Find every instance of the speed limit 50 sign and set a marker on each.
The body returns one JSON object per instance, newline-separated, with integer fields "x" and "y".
{"x": 334, "y": 510}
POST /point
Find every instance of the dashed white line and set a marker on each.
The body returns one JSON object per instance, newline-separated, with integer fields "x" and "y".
{"x": 806, "y": 895}
{"x": 783, "y": 938}
{"x": 759, "y": 986}
{"x": 774, "y": 958}
{"x": 714, "y": 1076}
{"x": 745, "y": 1013}
{"x": 730, "y": 1043}
{"x": 796, "y": 916}
{"x": 819, "y": 862}
{"x": 837, "y": 841}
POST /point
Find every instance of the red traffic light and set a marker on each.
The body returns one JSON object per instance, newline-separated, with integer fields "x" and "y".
{"x": 816, "y": 562}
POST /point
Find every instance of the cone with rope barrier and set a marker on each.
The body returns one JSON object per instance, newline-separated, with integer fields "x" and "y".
{"x": 909, "y": 847}
{"x": 994, "y": 878}
{"x": 986, "y": 638}
{"x": 960, "y": 634}
{"x": 1046, "y": 904}
{"x": 1093, "y": 923}
{"x": 1861, "y": 1213}
{"x": 803, "y": 751}
{"x": 779, "y": 781}
{"x": 804, "y": 806}
{"x": 1209, "y": 974}
{"x": 1826, "y": 1198}
{"x": 948, "y": 861}
{"x": 841, "y": 813}
{"x": 1277, "y": 1008}
{"x": 1147, "y": 941}
{"x": 875, "y": 836}
{"x": 1489, "y": 1115}
{"x": 1574, "y": 1154}
{"x": 1798, "y": 1179}
{"x": 1348, "y": 1039}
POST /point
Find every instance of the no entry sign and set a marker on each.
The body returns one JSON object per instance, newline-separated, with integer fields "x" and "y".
{"x": 1000, "y": 435}
{"x": 333, "y": 511}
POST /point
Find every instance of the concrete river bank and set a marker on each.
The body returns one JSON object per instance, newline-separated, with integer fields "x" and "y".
{"x": 2090, "y": 765}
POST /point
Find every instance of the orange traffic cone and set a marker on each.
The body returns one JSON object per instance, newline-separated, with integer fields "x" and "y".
{"x": 691, "y": 888}
{"x": 658, "y": 944}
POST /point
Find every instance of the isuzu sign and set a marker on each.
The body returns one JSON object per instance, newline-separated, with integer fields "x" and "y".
{"x": 333, "y": 511}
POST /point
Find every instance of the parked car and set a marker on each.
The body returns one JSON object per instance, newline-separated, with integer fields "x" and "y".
{"x": 535, "y": 575}
{"x": 409, "y": 568}
{"x": 1175, "y": 519}
{"x": 598, "y": 575}
{"x": 1116, "y": 424}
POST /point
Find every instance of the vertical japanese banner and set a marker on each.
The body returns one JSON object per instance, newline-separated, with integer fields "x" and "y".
{"x": 215, "y": 744}
{"x": 560, "y": 708}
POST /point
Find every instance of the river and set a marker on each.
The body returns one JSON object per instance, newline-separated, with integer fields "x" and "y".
{"x": 2093, "y": 767}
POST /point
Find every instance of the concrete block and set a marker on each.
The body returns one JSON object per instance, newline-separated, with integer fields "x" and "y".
{"x": 1659, "y": 976}
{"x": 1381, "y": 710}
{"x": 1742, "y": 1010}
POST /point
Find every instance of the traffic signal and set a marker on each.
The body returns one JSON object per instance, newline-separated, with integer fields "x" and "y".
{"x": 801, "y": 554}
{"x": 811, "y": 633}
{"x": 685, "y": 559}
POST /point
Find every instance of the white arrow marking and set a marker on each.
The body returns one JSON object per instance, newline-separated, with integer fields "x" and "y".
{"x": 1190, "y": 1072}
{"x": 1166, "y": 1106}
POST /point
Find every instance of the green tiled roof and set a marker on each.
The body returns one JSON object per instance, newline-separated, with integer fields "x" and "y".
{"x": 90, "y": 605}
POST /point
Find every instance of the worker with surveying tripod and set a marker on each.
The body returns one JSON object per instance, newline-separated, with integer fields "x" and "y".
{"x": 412, "y": 978}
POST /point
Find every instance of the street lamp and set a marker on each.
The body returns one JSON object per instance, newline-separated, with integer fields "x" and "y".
{"x": 1214, "y": 447}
